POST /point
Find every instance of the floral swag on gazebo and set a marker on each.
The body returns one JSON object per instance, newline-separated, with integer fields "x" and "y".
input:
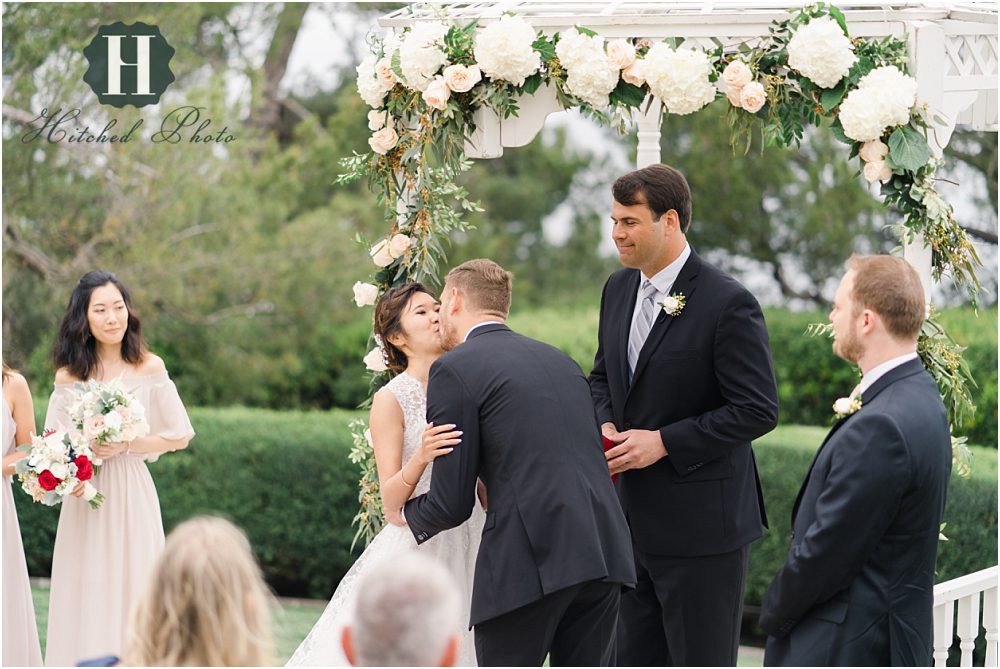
{"x": 425, "y": 85}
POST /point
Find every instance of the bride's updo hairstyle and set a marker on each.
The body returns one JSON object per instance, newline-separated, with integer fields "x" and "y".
{"x": 388, "y": 321}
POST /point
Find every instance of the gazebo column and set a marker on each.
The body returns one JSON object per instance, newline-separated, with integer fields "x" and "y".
{"x": 648, "y": 123}
{"x": 929, "y": 67}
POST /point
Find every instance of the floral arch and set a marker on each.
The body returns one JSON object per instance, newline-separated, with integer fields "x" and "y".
{"x": 460, "y": 80}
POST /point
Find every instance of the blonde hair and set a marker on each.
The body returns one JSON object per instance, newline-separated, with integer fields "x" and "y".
{"x": 206, "y": 603}
{"x": 889, "y": 286}
{"x": 486, "y": 285}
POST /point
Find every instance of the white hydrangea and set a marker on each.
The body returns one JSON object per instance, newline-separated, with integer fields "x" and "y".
{"x": 821, "y": 52}
{"x": 679, "y": 78}
{"x": 590, "y": 74}
{"x": 369, "y": 87}
{"x": 420, "y": 54}
{"x": 504, "y": 50}
{"x": 883, "y": 99}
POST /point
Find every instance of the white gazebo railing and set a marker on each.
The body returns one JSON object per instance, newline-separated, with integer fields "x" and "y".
{"x": 966, "y": 591}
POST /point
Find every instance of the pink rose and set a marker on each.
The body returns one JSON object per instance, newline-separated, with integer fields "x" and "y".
{"x": 873, "y": 150}
{"x": 384, "y": 74}
{"x": 436, "y": 94}
{"x": 633, "y": 74}
{"x": 94, "y": 425}
{"x": 383, "y": 141}
{"x": 877, "y": 170}
{"x": 621, "y": 53}
{"x": 460, "y": 78}
{"x": 398, "y": 245}
{"x": 737, "y": 74}
{"x": 753, "y": 97}
{"x": 733, "y": 95}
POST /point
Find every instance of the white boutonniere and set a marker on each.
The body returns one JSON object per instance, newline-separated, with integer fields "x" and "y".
{"x": 845, "y": 406}
{"x": 673, "y": 304}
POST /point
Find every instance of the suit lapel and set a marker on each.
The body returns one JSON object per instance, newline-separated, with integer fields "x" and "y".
{"x": 685, "y": 284}
{"x": 805, "y": 481}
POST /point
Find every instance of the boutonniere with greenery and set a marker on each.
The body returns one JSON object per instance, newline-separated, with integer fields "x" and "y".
{"x": 845, "y": 406}
{"x": 673, "y": 304}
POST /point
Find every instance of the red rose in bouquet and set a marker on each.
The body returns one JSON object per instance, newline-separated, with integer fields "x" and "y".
{"x": 48, "y": 481}
{"x": 84, "y": 470}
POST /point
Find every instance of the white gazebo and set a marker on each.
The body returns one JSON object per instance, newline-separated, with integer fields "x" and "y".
{"x": 953, "y": 56}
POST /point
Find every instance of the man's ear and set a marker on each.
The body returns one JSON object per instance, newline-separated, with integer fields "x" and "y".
{"x": 450, "y": 656}
{"x": 457, "y": 301}
{"x": 671, "y": 221}
{"x": 345, "y": 641}
{"x": 868, "y": 321}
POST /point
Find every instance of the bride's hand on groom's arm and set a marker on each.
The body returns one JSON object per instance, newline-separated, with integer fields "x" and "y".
{"x": 636, "y": 449}
{"x": 438, "y": 440}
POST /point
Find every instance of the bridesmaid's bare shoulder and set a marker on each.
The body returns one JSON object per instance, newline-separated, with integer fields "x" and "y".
{"x": 150, "y": 364}
{"x": 63, "y": 375}
{"x": 14, "y": 382}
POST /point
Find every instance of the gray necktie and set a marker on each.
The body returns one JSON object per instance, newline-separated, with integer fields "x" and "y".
{"x": 640, "y": 328}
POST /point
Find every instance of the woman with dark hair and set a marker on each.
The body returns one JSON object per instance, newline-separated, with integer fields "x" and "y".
{"x": 408, "y": 332}
{"x": 103, "y": 556}
{"x": 20, "y": 633}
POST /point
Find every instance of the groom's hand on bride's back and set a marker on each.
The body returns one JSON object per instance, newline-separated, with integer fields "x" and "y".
{"x": 636, "y": 449}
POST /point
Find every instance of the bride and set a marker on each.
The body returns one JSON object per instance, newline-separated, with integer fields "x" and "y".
{"x": 406, "y": 323}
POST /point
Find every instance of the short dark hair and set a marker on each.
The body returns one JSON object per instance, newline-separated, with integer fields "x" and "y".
{"x": 75, "y": 347}
{"x": 388, "y": 320}
{"x": 663, "y": 188}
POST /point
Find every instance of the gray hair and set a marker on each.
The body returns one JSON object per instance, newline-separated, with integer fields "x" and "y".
{"x": 406, "y": 612}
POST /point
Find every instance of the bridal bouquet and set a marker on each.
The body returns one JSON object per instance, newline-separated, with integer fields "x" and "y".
{"x": 56, "y": 464}
{"x": 105, "y": 413}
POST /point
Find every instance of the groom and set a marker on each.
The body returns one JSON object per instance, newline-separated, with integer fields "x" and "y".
{"x": 682, "y": 382}
{"x": 555, "y": 549}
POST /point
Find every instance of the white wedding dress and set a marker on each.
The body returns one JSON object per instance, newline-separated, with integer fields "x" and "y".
{"x": 455, "y": 548}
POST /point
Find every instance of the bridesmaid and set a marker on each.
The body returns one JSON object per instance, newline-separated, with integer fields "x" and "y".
{"x": 102, "y": 557}
{"x": 20, "y": 634}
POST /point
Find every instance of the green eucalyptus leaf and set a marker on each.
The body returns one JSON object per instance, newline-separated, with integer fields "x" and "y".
{"x": 908, "y": 149}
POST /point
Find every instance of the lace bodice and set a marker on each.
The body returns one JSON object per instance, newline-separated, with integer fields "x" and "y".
{"x": 413, "y": 401}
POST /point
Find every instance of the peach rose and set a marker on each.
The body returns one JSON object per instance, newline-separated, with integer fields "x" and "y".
{"x": 436, "y": 94}
{"x": 398, "y": 245}
{"x": 737, "y": 74}
{"x": 460, "y": 78}
{"x": 873, "y": 150}
{"x": 377, "y": 119}
{"x": 383, "y": 141}
{"x": 877, "y": 170}
{"x": 94, "y": 425}
{"x": 633, "y": 74}
{"x": 621, "y": 53}
{"x": 753, "y": 97}
{"x": 380, "y": 254}
{"x": 733, "y": 95}
{"x": 384, "y": 73}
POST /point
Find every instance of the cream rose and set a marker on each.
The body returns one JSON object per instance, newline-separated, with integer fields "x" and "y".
{"x": 365, "y": 294}
{"x": 733, "y": 95}
{"x": 384, "y": 73}
{"x": 399, "y": 244}
{"x": 377, "y": 119}
{"x": 460, "y": 78}
{"x": 374, "y": 360}
{"x": 621, "y": 53}
{"x": 633, "y": 74}
{"x": 753, "y": 97}
{"x": 436, "y": 94}
{"x": 873, "y": 150}
{"x": 843, "y": 405}
{"x": 737, "y": 74}
{"x": 383, "y": 141}
{"x": 380, "y": 254}
{"x": 877, "y": 170}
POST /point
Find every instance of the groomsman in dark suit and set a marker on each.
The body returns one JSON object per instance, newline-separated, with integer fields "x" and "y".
{"x": 555, "y": 549}
{"x": 857, "y": 587}
{"x": 682, "y": 382}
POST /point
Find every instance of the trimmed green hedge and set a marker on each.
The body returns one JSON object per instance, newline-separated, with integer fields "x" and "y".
{"x": 285, "y": 478}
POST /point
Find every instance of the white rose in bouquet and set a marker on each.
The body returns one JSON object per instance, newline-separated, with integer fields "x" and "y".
{"x": 420, "y": 54}
{"x": 504, "y": 50}
{"x": 370, "y": 88}
{"x": 113, "y": 420}
{"x": 821, "y": 52}
{"x": 365, "y": 294}
{"x": 679, "y": 78}
{"x": 461, "y": 78}
{"x": 436, "y": 95}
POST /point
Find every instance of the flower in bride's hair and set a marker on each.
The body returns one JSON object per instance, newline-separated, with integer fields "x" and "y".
{"x": 365, "y": 294}
{"x": 375, "y": 360}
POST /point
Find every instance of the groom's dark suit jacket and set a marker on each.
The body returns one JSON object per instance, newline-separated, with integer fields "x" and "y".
{"x": 857, "y": 587}
{"x": 704, "y": 379}
{"x": 530, "y": 433}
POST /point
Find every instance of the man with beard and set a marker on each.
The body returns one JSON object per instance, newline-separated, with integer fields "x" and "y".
{"x": 857, "y": 586}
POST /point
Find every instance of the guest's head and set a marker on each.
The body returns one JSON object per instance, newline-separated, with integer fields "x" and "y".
{"x": 651, "y": 215}
{"x": 878, "y": 310}
{"x": 475, "y": 291}
{"x": 406, "y": 320}
{"x": 407, "y": 613}
{"x": 99, "y": 316}
{"x": 206, "y": 603}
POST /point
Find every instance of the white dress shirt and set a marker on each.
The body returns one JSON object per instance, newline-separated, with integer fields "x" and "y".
{"x": 878, "y": 371}
{"x": 479, "y": 325}
{"x": 663, "y": 281}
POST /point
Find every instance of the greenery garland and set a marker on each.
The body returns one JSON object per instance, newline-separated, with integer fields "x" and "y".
{"x": 421, "y": 120}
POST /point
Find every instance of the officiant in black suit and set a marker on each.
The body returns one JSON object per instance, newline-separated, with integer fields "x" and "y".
{"x": 555, "y": 549}
{"x": 857, "y": 587}
{"x": 682, "y": 382}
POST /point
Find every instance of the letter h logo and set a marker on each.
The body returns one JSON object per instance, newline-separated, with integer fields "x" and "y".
{"x": 129, "y": 65}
